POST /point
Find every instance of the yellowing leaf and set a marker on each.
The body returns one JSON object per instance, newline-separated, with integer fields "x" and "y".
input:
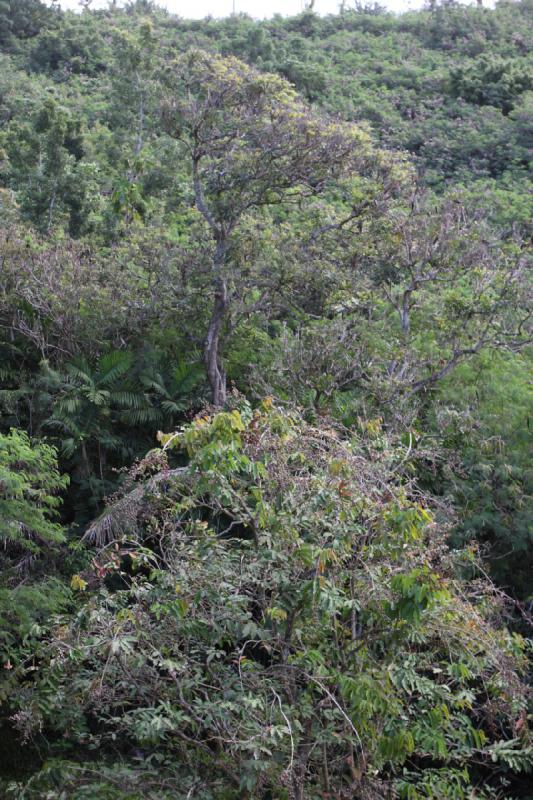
{"x": 78, "y": 583}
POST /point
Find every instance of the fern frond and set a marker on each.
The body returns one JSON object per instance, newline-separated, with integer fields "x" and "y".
{"x": 121, "y": 518}
{"x": 513, "y": 754}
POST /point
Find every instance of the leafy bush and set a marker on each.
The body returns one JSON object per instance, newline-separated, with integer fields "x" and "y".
{"x": 29, "y": 483}
{"x": 30, "y": 539}
{"x": 278, "y": 618}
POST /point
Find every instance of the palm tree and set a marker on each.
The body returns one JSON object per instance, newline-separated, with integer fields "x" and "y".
{"x": 93, "y": 406}
{"x": 104, "y": 416}
{"x": 171, "y": 389}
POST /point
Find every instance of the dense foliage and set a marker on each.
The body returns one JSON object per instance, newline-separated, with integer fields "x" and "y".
{"x": 303, "y": 596}
{"x": 285, "y": 623}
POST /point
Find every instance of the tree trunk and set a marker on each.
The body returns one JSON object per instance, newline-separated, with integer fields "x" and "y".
{"x": 213, "y": 364}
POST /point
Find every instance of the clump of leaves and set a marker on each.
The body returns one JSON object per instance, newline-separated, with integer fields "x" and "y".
{"x": 29, "y": 486}
{"x": 282, "y": 620}
{"x": 30, "y": 546}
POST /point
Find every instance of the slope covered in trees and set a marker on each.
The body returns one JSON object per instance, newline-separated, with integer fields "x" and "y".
{"x": 296, "y": 254}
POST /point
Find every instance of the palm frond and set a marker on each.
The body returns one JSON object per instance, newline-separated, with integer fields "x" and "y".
{"x": 155, "y": 383}
{"x": 173, "y": 406}
{"x": 63, "y": 424}
{"x": 68, "y": 405}
{"x": 108, "y": 441}
{"x": 79, "y": 370}
{"x": 113, "y": 366}
{"x": 184, "y": 371}
{"x": 99, "y": 397}
{"x": 128, "y": 399}
{"x": 141, "y": 416}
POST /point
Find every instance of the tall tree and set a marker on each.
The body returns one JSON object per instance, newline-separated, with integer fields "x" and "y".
{"x": 21, "y": 19}
{"x": 250, "y": 142}
{"x": 45, "y": 167}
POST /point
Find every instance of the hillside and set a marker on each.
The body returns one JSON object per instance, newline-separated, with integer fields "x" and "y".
{"x": 265, "y": 350}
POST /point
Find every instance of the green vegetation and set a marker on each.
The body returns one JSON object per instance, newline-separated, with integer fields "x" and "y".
{"x": 265, "y": 488}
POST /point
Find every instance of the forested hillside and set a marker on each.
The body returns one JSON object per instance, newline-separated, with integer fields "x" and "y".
{"x": 265, "y": 361}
